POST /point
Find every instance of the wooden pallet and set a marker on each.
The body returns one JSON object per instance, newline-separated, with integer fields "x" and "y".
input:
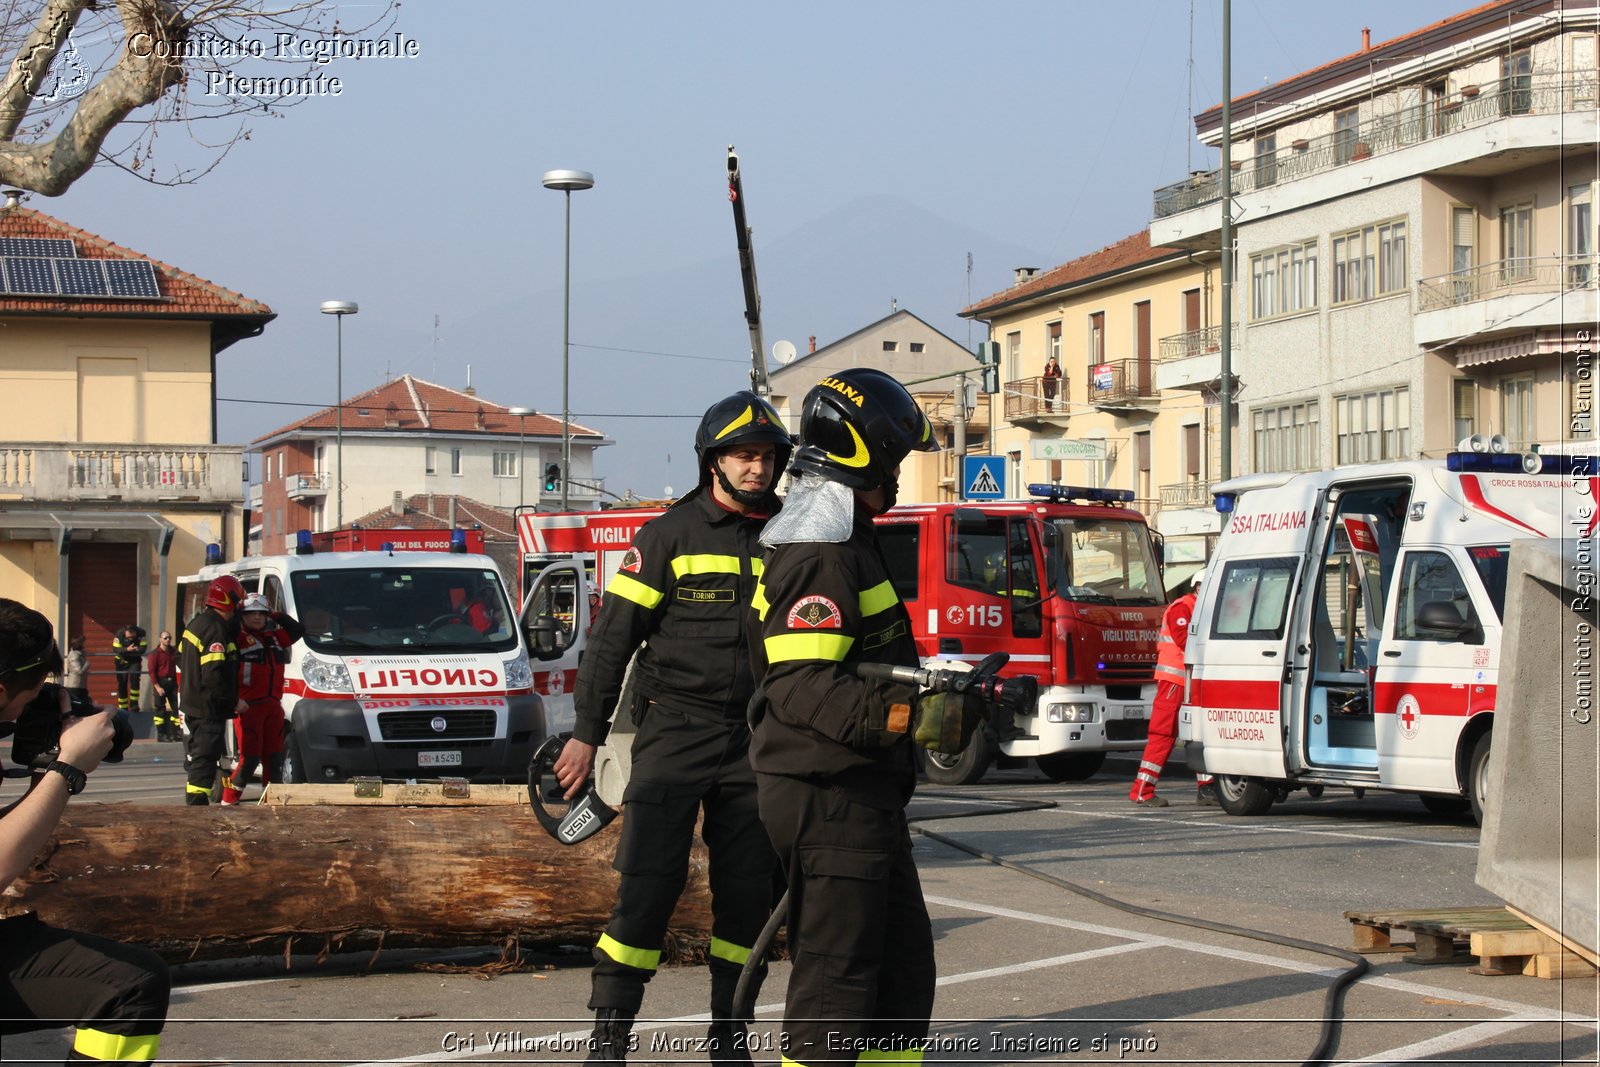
{"x": 1503, "y": 943}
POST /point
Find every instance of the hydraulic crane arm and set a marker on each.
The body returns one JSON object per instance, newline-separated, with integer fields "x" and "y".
{"x": 747, "y": 270}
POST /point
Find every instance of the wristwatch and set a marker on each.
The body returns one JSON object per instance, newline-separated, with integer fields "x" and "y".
{"x": 76, "y": 779}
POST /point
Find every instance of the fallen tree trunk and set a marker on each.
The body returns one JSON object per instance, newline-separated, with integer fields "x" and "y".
{"x": 201, "y": 883}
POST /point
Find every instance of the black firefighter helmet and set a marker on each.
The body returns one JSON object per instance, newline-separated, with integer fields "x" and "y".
{"x": 856, "y": 427}
{"x": 741, "y": 419}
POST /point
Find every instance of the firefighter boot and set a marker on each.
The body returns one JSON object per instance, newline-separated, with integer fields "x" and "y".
{"x": 728, "y": 1042}
{"x": 609, "y": 1042}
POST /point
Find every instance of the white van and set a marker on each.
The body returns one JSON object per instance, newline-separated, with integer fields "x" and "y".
{"x": 1348, "y": 632}
{"x": 393, "y": 679}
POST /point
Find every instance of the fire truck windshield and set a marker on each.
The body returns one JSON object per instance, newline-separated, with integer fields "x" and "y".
{"x": 1108, "y": 562}
{"x": 401, "y": 609}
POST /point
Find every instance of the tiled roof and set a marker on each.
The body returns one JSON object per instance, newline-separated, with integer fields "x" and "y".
{"x": 410, "y": 405}
{"x": 1132, "y": 251}
{"x": 183, "y": 295}
{"x": 431, "y": 511}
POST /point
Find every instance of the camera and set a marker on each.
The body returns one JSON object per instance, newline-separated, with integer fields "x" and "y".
{"x": 37, "y": 739}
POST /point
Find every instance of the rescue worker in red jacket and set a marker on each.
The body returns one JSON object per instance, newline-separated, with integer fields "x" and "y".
{"x": 208, "y": 661}
{"x": 683, "y": 591}
{"x": 1171, "y": 681}
{"x": 833, "y": 752}
{"x": 264, "y": 640}
{"x": 164, "y": 686}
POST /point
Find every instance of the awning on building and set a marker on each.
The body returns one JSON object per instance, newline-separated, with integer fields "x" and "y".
{"x": 44, "y": 524}
{"x": 1552, "y": 342}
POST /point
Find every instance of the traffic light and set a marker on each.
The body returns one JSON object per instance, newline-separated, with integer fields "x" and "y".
{"x": 989, "y": 357}
{"x": 552, "y": 477}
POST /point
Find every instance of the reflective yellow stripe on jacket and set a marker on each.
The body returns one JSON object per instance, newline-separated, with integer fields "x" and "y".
{"x": 205, "y": 656}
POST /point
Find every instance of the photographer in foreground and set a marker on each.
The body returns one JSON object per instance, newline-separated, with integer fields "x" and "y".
{"x": 115, "y": 994}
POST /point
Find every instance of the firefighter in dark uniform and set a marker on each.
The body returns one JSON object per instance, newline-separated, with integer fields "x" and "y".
{"x": 833, "y": 752}
{"x": 128, "y": 650}
{"x": 683, "y": 591}
{"x": 208, "y": 665}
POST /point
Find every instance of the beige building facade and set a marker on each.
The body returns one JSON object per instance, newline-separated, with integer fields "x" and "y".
{"x": 1114, "y": 322}
{"x": 1416, "y": 242}
{"x": 112, "y": 483}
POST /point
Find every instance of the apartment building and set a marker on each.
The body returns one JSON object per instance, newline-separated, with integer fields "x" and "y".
{"x": 1415, "y": 241}
{"x": 112, "y": 482}
{"x": 410, "y": 437}
{"x": 1134, "y": 331}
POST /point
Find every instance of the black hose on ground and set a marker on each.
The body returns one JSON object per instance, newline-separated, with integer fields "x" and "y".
{"x": 1333, "y": 999}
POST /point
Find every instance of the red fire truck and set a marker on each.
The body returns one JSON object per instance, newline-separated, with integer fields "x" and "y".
{"x": 1067, "y": 583}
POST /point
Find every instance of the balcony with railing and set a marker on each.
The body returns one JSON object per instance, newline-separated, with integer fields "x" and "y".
{"x": 306, "y": 486}
{"x": 1123, "y": 384}
{"x": 1528, "y": 291}
{"x": 54, "y": 473}
{"x": 1033, "y": 400}
{"x": 1472, "y": 108}
{"x": 1190, "y": 494}
{"x": 1193, "y": 359}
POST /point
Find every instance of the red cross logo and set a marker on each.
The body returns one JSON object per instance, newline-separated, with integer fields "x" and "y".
{"x": 1408, "y": 719}
{"x": 1409, "y": 714}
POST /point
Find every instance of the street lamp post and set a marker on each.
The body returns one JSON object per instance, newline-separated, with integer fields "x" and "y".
{"x": 339, "y": 309}
{"x": 522, "y": 453}
{"x": 566, "y": 181}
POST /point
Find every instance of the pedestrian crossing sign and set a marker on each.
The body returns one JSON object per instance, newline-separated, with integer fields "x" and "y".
{"x": 983, "y": 477}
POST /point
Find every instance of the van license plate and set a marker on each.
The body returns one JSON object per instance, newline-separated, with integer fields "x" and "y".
{"x": 1133, "y": 713}
{"x": 438, "y": 759}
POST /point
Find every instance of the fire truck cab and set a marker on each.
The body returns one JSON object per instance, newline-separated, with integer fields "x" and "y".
{"x": 1349, "y": 630}
{"x": 1069, "y": 585}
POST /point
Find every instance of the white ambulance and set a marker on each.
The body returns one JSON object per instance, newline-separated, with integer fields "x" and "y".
{"x": 413, "y": 665}
{"x": 1348, "y": 632}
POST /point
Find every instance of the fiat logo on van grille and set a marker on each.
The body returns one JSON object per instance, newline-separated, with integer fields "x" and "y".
{"x": 438, "y": 724}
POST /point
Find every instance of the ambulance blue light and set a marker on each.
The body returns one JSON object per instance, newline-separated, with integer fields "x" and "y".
{"x": 458, "y": 540}
{"x": 1492, "y": 463}
{"x": 1058, "y": 494}
{"x": 213, "y": 554}
{"x": 302, "y": 543}
{"x": 1224, "y": 502}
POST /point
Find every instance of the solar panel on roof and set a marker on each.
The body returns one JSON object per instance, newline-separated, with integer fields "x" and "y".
{"x": 47, "y": 247}
{"x": 80, "y": 277}
{"x": 29, "y": 275}
{"x": 132, "y": 277}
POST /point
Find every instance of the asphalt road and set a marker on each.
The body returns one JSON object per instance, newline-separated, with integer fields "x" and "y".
{"x": 1030, "y": 972}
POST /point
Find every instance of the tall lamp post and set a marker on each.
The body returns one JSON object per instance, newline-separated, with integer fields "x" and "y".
{"x": 566, "y": 181}
{"x": 339, "y": 309}
{"x": 522, "y": 453}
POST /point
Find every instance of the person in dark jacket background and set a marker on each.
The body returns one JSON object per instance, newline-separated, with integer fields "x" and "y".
{"x": 128, "y": 648}
{"x": 208, "y": 660}
{"x": 683, "y": 590}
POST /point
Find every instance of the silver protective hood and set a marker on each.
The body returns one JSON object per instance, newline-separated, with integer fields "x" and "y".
{"x": 816, "y": 509}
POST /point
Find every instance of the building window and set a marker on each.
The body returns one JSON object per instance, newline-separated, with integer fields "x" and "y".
{"x": 1014, "y": 350}
{"x": 1266, "y": 159}
{"x": 430, "y": 460}
{"x": 1583, "y": 71}
{"x": 455, "y": 461}
{"x": 1580, "y": 236}
{"x": 1286, "y": 437}
{"x": 890, "y": 346}
{"x": 505, "y": 464}
{"x": 1516, "y": 241}
{"x": 917, "y": 346}
{"x": 1283, "y": 281}
{"x": 1372, "y": 426}
{"x": 1516, "y": 82}
{"x": 1516, "y": 410}
{"x": 1369, "y": 262}
{"x": 1345, "y": 125}
{"x": 1097, "y": 338}
{"x": 1464, "y": 407}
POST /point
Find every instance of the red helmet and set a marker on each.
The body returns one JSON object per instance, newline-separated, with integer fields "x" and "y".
{"x": 224, "y": 593}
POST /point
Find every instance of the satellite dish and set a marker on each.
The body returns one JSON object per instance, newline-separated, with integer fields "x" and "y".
{"x": 783, "y": 352}
{"x": 666, "y": 490}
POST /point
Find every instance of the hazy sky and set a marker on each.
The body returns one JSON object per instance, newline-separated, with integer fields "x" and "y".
{"x": 1045, "y": 124}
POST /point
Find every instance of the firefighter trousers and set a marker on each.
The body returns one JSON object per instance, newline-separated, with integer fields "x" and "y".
{"x": 684, "y": 765}
{"x": 203, "y": 752}
{"x": 115, "y": 994}
{"x": 128, "y": 686}
{"x": 860, "y": 941}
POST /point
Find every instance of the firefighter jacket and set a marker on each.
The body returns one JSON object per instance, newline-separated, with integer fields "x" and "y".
{"x": 820, "y": 609}
{"x": 129, "y": 645}
{"x": 263, "y": 655}
{"x": 683, "y": 589}
{"x": 208, "y": 662}
{"x": 164, "y": 666}
{"x": 1174, "y": 638}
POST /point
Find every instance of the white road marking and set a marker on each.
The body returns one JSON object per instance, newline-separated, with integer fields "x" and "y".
{"x": 1236, "y": 826}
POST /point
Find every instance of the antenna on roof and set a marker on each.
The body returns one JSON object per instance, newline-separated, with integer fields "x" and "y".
{"x": 13, "y": 198}
{"x": 435, "y": 376}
